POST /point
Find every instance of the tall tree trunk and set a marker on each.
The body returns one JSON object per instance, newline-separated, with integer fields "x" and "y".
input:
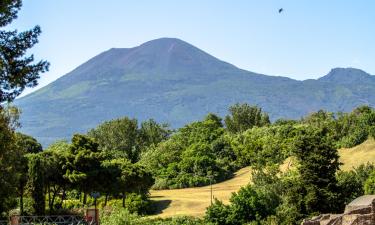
{"x": 55, "y": 192}
{"x": 63, "y": 195}
{"x": 84, "y": 198}
{"x": 106, "y": 199}
{"x": 123, "y": 200}
{"x": 49, "y": 197}
{"x": 21, "y": 200}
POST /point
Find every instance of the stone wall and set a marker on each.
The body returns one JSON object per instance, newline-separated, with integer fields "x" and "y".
{"x": 361, "y": 211}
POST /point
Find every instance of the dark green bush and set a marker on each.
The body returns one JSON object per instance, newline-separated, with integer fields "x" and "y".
{"x": 136, "y": 203}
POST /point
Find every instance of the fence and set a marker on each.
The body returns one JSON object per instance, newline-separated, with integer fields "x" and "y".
{"x": 91, "y": 218}
{"x": 55, "y": 220}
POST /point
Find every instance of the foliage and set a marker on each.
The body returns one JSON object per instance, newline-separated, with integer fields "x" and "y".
{"x": 218, "y": 213}
{"x": 9, "y": 156}
{"x": 137, "y": 203}
{"x": 36, "y": 180}
{"x": 55, "y": 158}
{"x": 119, "y": 216}
{"x": 251, "y": 203}
{"x": 318, "y": 164}
{"x": 28, "y": 144}
{"x": 122, "y": 137}
{"x": 264, "y": 145}
{"x": 370, "y": 184}
{"x": 117, "y": 137}
{"x": 351, "y": 184}
{"x": 25, "y": 145}
{"x": 195, "y": 155}
{"x": 152, "y": 133}
{"x": 84, "y": 164}
{"x": 16, "y": 69}
{"x": 124, "y": 177}
{"x": 243, "y": 117}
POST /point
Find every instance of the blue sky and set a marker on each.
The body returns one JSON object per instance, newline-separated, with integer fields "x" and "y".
{"x": 305, "y": 41}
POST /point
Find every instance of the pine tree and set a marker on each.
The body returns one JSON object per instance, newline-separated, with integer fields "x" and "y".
{"x": 17, "y": 70}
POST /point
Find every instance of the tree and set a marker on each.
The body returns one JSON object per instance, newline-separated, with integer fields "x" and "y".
{"x": 152, "y": 133}
{"x": 127, "y": 177}
{"x": 28, "y": 144}
{"x": 36, "y": 182}
{"x": 84, "y": 164}
{"x": 244, "y": 116}
{"x": 16, "y": 69}
{"x": 195, "y": 155}
{"x": 317, "y": 165}
{"x": 55, "y": 157}
{"x": 25, "y": 145}
{"x": 117, "y": 138}
{"x": 8, "y": 158}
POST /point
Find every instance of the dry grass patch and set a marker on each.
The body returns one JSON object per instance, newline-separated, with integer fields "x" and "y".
{"x": 360, "y": 154}
{"x": 194, "y": 201}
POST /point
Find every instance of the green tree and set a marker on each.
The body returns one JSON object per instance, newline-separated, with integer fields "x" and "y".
{"x": 152, "y": 133}
{"x": 25, "y": 145}
{"x": 36, "y": 183}
{"x": 16, "y": 69}
{"x": 55, "y": 157}
{"x": 9, "y": 159}
{"x": 84, "y": 164}
{"x": 28, "y": 144}
{"x": 243, "y": 117}
{"x": 317, "y": 164}
{"x": 127, "y": 178}
{"x": 197, "y": 154}
{"x": 118, "y": 138}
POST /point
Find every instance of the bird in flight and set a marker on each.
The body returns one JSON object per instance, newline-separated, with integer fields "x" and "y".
{"x": 281, "y": 10}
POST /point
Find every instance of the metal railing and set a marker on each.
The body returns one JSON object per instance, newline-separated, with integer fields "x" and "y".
{"x": 55, "y": 220}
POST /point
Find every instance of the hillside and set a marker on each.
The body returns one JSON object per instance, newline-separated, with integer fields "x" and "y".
{"x": 172, "y": 81}
{"x": 361, "y": 154}
{"x": 194, "y": 201}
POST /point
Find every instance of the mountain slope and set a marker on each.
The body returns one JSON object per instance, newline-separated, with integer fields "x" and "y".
{"x": 175, "y": 82}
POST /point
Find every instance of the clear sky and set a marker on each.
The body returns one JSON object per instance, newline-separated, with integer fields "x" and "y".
{"x": 305, "y": 41}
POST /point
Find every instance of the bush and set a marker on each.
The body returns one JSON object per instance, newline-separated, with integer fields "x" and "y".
{"x": 72, "y": 204}
{"x": 121, "y": 216}
{"x": 250, "y": 204}
{"x": 139, "y": 204}
{"x": 218, "y": 213}
{"x": 370, "y": 184}
{"x": 118, "y": 216}
{"x": 350, "y": 187}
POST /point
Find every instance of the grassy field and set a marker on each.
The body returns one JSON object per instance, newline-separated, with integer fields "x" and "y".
{"x": 353, "y": 157}
{"x": 194, "y": 201}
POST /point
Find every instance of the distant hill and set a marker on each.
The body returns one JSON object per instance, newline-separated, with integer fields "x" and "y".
{"x": 175, "y": 82}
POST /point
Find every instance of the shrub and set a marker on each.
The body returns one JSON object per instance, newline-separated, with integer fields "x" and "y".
{"x": 136, "y": 203}
{"x": 370, "y": 184}
{"x": 218, "y": 213}
{"x": 72, "y": 204}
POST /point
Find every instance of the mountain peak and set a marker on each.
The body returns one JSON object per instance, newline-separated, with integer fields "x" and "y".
{"x": 346, "y": 75}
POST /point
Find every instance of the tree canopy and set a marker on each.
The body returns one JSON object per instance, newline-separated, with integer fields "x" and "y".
{"x": 17, "y": 70}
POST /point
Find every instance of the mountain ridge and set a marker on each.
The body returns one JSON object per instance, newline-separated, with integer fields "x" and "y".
{"x": 173, "y": 81}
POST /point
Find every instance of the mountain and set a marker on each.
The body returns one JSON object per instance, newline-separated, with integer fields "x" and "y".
{"x": 172, "y": 81}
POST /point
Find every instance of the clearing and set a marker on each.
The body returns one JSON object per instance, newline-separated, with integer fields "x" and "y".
{"x": 194, "y": 201}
